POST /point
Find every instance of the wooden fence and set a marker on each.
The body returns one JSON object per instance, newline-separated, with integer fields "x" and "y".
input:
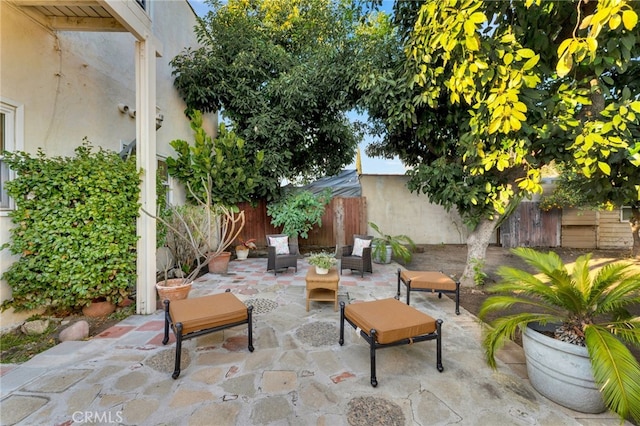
{"x": 529, "y": 226}
{"x": 342, "y": 218}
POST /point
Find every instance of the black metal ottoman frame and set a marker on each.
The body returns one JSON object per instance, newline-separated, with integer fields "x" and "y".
{"x": 433, "y": 290}
{"x": 373, "y": 345}
{"x": 177, "y": 330}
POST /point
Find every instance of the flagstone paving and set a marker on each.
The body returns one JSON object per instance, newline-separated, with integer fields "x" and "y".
{"x": 297, "y": 375}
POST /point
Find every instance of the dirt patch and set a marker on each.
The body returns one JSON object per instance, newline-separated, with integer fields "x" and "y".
{"x": 16, "y": 348}
{"x": 451, "y": 260}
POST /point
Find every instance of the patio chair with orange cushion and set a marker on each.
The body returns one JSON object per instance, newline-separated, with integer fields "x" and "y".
{"x": 201, "y": 315}
{"x": 389, "y": 322}
{"x": 428, "y": 281}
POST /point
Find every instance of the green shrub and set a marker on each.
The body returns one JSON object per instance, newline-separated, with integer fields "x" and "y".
{"x": 235, "y": 172}
{"x": 479, "y": 275}
{"x": 74, "y": 227}
{"x": 299, "y": 211}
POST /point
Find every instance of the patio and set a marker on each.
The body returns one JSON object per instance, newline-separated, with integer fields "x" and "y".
{"x": 298, "y": 374}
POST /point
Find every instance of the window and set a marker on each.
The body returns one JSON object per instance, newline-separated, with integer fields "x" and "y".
{"x": 11, "y": 136}
{"x": 163, "y": 178}
{"x": 142, "y": 3}
{"x": 625, "y": 213}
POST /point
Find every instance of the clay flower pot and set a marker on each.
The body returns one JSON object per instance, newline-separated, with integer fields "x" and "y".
{"x": 220, "y": 263}
{"x": 98, "y": 309}
{"x": 173, "y": 289}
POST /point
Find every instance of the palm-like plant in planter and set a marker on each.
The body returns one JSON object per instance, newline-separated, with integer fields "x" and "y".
{"x": 397, "y": 243}
{"x": 586, "y": 309}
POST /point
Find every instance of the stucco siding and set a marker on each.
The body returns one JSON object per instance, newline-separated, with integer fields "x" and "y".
{"x": 396, "y": 210}
{"x": 70, "y": 84}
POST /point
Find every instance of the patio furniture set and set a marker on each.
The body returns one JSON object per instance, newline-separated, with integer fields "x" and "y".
{"x": 381, "y": 323}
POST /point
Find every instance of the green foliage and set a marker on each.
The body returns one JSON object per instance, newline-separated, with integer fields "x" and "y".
{"x": 479, "y": 275}
{"x": 283, "y": 72}
{"x": 235, "y": 173}
{"x": 322, "y": 260}
{"x": 398, "y": 245}
{"x": 298, "y": 212}
{"x": 198, "y": 233}
{"x": 592, "y": 304}
{"x": 469, "y": 95}
{"x": 163, "y": 211}
{"x": 74, "y": 228}
{"x": 17, "y": 347}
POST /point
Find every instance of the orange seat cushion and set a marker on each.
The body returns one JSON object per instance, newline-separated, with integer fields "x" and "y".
{"x": 207, "y": 312}
{"x": 392, "y": 320}
{"x": 428, "y": 280}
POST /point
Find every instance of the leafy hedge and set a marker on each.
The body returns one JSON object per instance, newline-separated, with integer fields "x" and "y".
{"x": 74, "y": 227}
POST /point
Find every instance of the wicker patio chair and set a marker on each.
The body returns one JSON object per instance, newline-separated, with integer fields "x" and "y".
{"x": 276, "y": 261}
{"x": 351, "y": 260}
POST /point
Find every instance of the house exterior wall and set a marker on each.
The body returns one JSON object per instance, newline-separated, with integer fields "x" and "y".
{"x": 70, "y": 84}
{"x": 613, "y": 233}
{"x": 396, "y": 211}
{"x": 601, "y": 229}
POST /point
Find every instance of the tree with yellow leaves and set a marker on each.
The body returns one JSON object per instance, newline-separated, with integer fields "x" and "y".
{"x": 482, "y": 94}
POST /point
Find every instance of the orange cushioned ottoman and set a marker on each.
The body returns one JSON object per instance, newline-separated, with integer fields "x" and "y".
{"x": 428, "y": 281}
{"x": 389, "y": 322}
{"x": 194, "y": 317}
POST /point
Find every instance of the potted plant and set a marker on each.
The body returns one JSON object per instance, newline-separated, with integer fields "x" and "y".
{"x": 242, "y": 249}
{"x": 585, "y": 313}
{"x": 384, "y": 246}
{"x": 184, "y": 263}
{"x": 323, "y": 261}
{"x": 196, "y": 235}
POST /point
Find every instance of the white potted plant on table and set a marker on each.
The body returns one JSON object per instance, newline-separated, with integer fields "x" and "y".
{"x": 322, "y": 261}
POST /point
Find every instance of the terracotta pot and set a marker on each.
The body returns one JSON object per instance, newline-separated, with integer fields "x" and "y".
{"x": 98, "y": 309}
{"x": 220, "y": 263}
{"x": 173, "y": 289}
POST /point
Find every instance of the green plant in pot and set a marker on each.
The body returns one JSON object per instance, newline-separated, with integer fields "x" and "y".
{"x": 587, "y": 314}
{"x": 384, "y": 246}
{"x": 323, "y": 261}
{"x": 195, "y": 235}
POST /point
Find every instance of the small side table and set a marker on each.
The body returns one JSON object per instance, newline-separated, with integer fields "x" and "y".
{"x": 322, "y": 288}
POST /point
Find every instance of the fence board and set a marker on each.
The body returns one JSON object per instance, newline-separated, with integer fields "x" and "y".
{"x": 529, "y": 226}
{"x": 353, "y": 219}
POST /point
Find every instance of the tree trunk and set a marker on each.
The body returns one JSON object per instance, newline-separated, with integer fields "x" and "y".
{"x": 338, "y": 228}
{"x": 634, "y": 223}
{"x": 477, "y": 243}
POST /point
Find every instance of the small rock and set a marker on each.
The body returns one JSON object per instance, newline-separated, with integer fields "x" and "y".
{"x": 35, "y": 327}
{"x": 76, "y": 331}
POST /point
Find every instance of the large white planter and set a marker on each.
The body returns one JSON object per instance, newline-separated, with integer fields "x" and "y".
{"x": 561, "y": 371}
{"x": 389, "y": 253}
{"x": 322, "y": 271}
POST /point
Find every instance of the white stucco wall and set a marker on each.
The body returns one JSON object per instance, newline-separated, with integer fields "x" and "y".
{"x": 396, "y": 210}
{"x": 70, "y": 85}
